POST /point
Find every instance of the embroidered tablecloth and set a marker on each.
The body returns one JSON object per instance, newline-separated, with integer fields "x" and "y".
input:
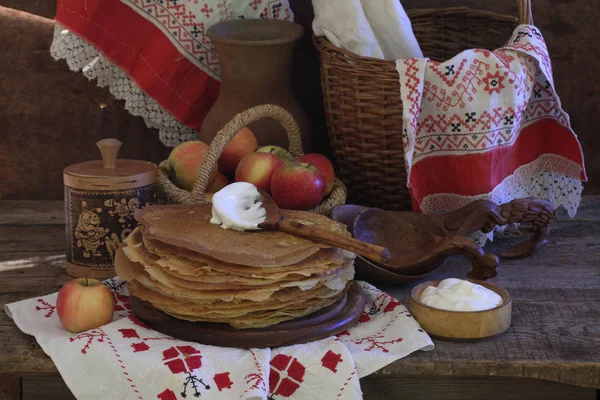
{"x": 488, "y": 125}
{"x": 125, "y": 359}
{"x": 153, "y": 54}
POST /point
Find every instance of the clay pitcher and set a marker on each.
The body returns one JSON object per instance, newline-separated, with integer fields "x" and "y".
{"x": 255, "y": 56}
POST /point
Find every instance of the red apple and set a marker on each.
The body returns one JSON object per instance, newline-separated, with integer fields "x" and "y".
{"x": 324, "y": 165}
{"x": 258, "y": 169}
{"x": 185, "y": 161}
{"x": 84, "y": 304}
{"x": 243, "y": 142}
{"x": 218, "y": 184}
{"x": 297, "y": 186}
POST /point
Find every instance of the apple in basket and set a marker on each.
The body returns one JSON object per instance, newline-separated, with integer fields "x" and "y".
{"x": 278, "y": 151}
{"x": 324, "y": 165}
{"x": 243, "y": 142}
{"x": 258, "y": 169}
{"x": 185, "y": 161}
{"x": 297, "y": 186}
{"x": 218, "y": 184}
{"x": 84, "y": 304}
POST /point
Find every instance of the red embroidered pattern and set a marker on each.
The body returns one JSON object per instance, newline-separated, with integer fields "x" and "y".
{"x": 285, "y": 376}
{"x": 493, "y": 83}
{"x": 122, "y": 364}
{"x": 182, "y": 359}
{"x": 188, "y": 30}
{"x": 375, "y": 342}
{"x": 167, "y": 395}
{"x": 121, "y": 302}
{"x": 137, "y": 347}
{"x": 222, "y": 380}
{"x": 46, "y": 307}
{"x": 364, "y": 317}
{"x": 97, "y": 334}
{"x": 185, "y": 360}
{"x": 346, "y": 383}
{"x": 128, "y": 333}
{"x": 330, "y": 360}
{"x": 256, "y": 378}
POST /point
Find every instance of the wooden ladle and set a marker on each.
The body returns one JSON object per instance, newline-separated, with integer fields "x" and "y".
{"x": 276, "y": 221}
{"x": 419, "y": 243}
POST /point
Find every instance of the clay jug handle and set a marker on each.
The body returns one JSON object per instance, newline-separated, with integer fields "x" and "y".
{"x": 109, "y": 148}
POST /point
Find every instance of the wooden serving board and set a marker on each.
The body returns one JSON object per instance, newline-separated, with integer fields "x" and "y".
{"x": 327, "y": 322}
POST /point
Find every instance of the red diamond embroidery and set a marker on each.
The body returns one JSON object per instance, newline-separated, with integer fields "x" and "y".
{"x": 137, "y": 347}
{"x": 222, "y": 380}
{"x": 121, "y": 302}
{"x": 285, "y": 376}
{"x": 182, "y": 359}
{"x": 330, "y": 360}
{"x": 364, "y": 317}
{"x": 167, "y": 395}
{"x": 129, "y": 333}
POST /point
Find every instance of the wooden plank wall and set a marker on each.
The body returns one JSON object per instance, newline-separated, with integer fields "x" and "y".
{"x": 49, "y": 115}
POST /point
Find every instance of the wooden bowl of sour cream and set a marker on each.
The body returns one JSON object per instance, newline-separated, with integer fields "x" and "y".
{"x": 462, "y": 325}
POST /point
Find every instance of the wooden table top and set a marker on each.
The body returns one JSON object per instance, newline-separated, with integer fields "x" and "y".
{"x": 556, "y": 302}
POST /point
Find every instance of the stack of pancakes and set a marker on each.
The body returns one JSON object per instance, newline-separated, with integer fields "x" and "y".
{"x": 197, "y": 271}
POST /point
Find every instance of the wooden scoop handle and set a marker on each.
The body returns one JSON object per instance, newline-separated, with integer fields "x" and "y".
{"x": 371, "y": 251}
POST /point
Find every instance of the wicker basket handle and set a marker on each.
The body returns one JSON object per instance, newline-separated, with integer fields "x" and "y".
{"x": 525, "y": 15}
{"x": 226, "y": 134}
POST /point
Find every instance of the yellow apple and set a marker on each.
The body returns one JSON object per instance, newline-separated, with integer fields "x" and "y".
{"x": 84, "y": 304}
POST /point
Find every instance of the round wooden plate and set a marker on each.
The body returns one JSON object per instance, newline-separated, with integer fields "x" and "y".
{"x": 327, "y": 322}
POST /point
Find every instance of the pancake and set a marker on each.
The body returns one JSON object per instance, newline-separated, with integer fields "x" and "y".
{"x": 242, "y": 315}
{"x": 309, "y": 270}
{"x": 189, "y": 226}
{"x": 196, "y": 271}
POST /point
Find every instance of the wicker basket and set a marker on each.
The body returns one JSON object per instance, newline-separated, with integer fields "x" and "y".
{"x": 169, "y": 193}
{"x": 363, "y": 106}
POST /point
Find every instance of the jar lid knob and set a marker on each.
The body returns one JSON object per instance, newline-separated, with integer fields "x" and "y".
{"x": 109, "y": 148}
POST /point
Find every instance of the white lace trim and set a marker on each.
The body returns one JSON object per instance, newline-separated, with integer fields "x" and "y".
{"x": 551, "y": 177}
{"x": 82, "y": 56}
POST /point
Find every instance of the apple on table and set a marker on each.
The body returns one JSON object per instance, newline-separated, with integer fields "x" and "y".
{"x": 84, "y": 304}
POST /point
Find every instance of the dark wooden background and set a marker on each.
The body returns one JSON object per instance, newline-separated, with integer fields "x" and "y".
{"x": 49, "y": 116}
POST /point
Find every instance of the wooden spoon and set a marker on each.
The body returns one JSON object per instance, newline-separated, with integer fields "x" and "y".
{"x": 276, "y": 221}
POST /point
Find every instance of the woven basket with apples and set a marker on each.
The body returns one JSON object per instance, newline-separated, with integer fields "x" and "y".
{"x": 297, "y": 181}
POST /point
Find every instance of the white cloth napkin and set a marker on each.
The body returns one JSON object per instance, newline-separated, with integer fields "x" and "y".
{"x": 371, "y": 28}
{"x": 125, "y": 359}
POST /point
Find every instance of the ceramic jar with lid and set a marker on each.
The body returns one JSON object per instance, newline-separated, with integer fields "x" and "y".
{"x": 101, "y": 197}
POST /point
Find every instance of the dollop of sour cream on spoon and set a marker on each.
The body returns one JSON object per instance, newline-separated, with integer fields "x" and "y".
{"x": 458, "y": 295}
{"x": 238, "y": 206}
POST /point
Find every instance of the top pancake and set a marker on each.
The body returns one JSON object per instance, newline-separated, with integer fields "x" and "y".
{"x": 189, "y": 226}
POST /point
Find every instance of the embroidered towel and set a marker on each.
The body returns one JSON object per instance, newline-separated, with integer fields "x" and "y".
{"x": 153, "y": 54}
{"x": 488, "y": 125}
{"x": 125, "y": 359}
